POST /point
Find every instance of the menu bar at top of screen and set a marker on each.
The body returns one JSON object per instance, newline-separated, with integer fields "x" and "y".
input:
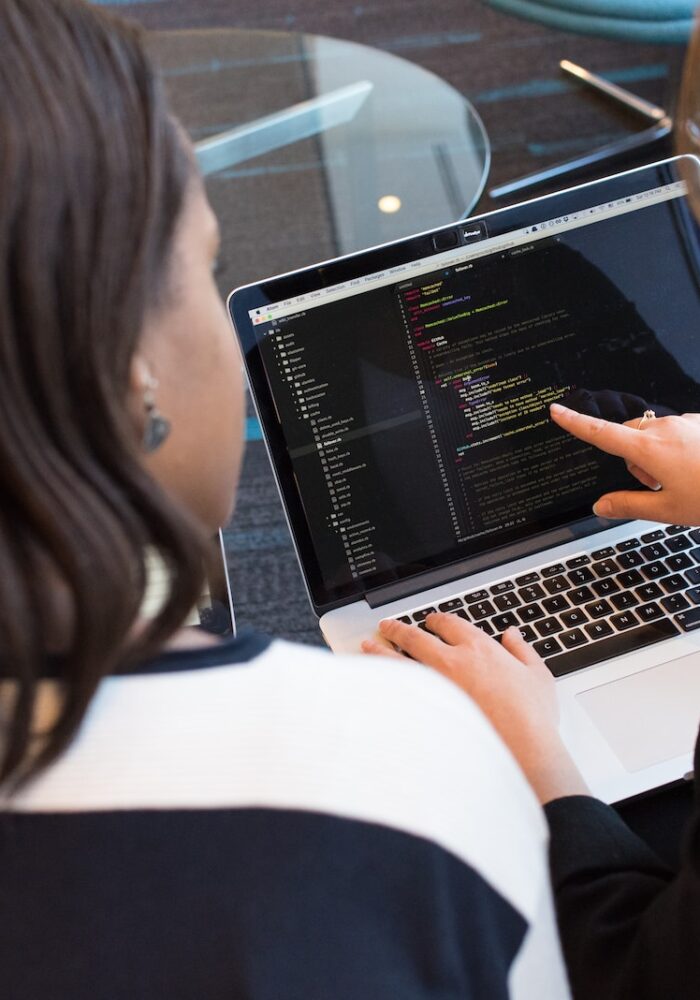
{"x": 462, "y": 254}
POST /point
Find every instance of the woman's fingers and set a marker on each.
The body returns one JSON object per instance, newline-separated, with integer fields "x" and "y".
{"x": 413, "y": 640}
{"x": 615, "y": 439}
{"x": 450, "y": 630}
{"x": 380, "y": 647}
{"x": 629, "y": 505}
{"x": 514, "y": 643}
{"x": 453, "y": 629}
{"x": 644, "y": 478}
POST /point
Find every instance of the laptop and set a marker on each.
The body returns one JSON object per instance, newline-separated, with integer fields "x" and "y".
{"x": 404, "y": 394}
{"x": 213, "y": 611}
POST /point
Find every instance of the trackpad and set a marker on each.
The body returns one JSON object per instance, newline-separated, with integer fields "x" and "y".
{"x": 650, "y": 716}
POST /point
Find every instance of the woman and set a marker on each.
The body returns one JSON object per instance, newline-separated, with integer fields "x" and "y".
{"x": 184, "y": 819}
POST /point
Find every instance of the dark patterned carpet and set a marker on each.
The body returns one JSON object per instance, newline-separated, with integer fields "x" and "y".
{"x": 507, "y": 68}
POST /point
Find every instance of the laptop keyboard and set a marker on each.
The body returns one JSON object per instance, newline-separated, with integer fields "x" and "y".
{"x": 595, "y": 605}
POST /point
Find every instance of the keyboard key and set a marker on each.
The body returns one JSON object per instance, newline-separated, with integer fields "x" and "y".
{"x": 482, "y": 609}
{"x": 631, "y": 578}
{"x": 554, "y": 570}
{"x": 502, "y": 622}
{"x": 679, "y": 543}
{"x": 485, "y": 627}
{"x": 549, "y": 626}
{"x": 605, "y": 553}
{"x": 523, "y": 581}
{"x": 675, "y": 529}
{"x": 629, "y": 559}
{"x": 606, "y": 567}
{"x": 689, "y": 620}
{"x": 695, "y": 535}
{"x": 614, "y": 645}
{"x": 503, "y": 587}
{"x": 530, "y": 613}
{"x": 693, "y": 595}
{"x": 604, "y": 588}
{"x": 576, "y": 616}
{"x": 405, "y": 619}
{"x": 650, "y": 612}
{"x": 676, "y": 602}
{"x": 649, "y": 592}
{"x": 624, "y": 621}
{"x": 599, "y": 609}
{"x": 419, "y": 616}
{"x": 629, "y": 543}
{"x": 579, "y": 576}
{"x": 556, "y": 584}
{"x": 581, "y": 595}
{"x": 673, "y": 583}
{"x": 572, "y": 639}
{"x": 504, "y": 602}
{"x": 578, "y": 561}
{"x": 679, "y": 562}
{"x": 553, "y": 605}
{"x": 452, "y": 605}
{"x": 695, "y": 553}
{"x": 476, "y": 595}
{"x": 655, "y": 551}
{"x": 528, "y": 633}
{"x": 547, "y": 647}
{"x": 598, "y": 630}
{"x": 693, "y": 575}
{"x": 533, "y": 592}
{"x": 653, "y": 570}
{"x": 461, "y": 613}
{"x": 624, "y": 600}
{"x": 653, "y": 536}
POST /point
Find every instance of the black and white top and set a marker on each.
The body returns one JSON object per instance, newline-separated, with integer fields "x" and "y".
{"x": 266, "y": 821}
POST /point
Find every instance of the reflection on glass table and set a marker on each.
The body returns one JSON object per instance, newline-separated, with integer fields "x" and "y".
{"x": 315, "y": 147}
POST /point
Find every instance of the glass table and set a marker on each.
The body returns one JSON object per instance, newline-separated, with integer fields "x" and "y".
{"x": 314, "y": 147}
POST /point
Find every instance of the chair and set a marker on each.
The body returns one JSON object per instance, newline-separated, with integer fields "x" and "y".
{"x": 660, "y": 21}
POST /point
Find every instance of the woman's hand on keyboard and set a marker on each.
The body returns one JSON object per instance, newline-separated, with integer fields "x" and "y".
{"x": 508, "y": 681}
{"x": 663, "y": 455}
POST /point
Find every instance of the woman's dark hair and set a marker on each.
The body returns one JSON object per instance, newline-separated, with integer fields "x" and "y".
{"x": 93, "y": 175}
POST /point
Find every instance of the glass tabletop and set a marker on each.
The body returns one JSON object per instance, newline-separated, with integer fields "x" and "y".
{"x": 314, "y": 147}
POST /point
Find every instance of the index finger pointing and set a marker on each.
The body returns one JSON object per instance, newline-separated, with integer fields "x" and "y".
{"x": 615, "y": 439}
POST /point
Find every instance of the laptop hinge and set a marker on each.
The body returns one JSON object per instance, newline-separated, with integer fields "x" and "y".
{"x": 400, "y": 589}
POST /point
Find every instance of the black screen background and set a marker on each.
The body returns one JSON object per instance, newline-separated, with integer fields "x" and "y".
{"x": 628, "y": 288}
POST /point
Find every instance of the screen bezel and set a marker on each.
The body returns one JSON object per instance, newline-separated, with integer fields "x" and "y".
{"x": 357, "y": 265}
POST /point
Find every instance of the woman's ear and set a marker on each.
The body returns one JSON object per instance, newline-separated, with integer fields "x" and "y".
{"x": 140, "y": 380}
{"x": 140, "y": 375}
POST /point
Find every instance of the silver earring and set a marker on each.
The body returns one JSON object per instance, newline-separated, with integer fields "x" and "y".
{"x": 157, "y": 427}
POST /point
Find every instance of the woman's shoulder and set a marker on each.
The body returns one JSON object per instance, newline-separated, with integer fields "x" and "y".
{"x": 283, "y": 726}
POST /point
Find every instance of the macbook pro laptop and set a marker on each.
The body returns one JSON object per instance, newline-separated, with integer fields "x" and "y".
{"x": 404, "y": 396}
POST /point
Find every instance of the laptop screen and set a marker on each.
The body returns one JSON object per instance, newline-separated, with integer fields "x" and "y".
{"x": 406, "y": 406}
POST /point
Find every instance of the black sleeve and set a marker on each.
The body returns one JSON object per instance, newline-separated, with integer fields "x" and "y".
{"x": 630, "y": 927}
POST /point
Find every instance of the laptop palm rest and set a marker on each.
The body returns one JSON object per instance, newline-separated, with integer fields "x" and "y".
{"x": 650, "y": 716}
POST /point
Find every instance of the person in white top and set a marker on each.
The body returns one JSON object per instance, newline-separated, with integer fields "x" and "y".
{"x": 182, "y": 816}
